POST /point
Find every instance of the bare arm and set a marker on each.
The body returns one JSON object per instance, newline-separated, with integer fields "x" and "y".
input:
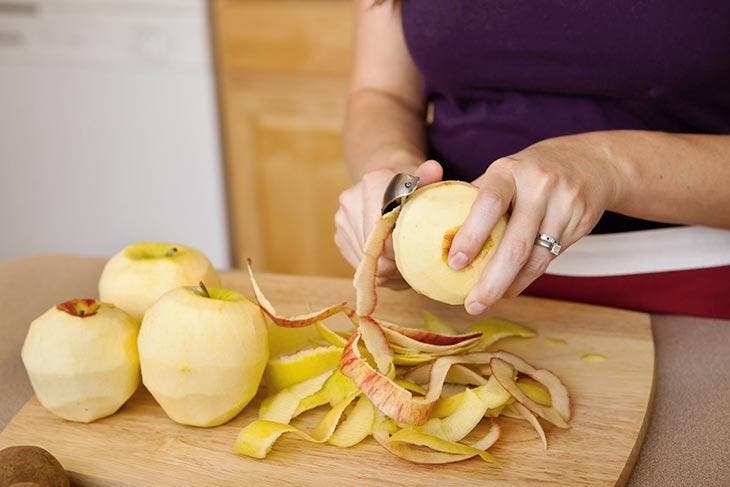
{"x": 673, "y": 178}
{"x": 561, "y": 186}
{"x": 384, "y": 127}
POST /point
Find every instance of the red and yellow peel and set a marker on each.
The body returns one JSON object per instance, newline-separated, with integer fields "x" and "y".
{"x": 378, "y": 386}
{"x": 290, "y": 321}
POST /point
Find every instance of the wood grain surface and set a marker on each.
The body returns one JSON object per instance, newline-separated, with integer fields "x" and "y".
{"x": 139, "y": 446}
{"x": 282, "y": 69}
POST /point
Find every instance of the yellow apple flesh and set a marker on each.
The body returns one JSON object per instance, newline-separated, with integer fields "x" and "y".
{"x": 81, "y": 357}
{"x": 422, "y": 237}
{"x": 138, "y": 275}
{"x": 203, "y": 354}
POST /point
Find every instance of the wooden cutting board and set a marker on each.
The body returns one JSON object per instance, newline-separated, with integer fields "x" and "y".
{"x": 140, "y": 446}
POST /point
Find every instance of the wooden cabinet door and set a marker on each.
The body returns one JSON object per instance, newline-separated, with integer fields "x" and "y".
{"x": 282, "y": 68}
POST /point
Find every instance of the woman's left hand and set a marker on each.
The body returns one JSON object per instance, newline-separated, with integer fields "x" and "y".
{"x": 559, "y": 187}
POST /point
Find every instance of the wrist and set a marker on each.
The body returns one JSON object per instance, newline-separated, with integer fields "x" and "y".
{"x": 616, "y": 151}
{"x": 612, "y": 151}
{"x": 393, "y": 159}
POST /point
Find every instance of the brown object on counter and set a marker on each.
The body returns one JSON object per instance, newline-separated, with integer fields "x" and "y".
{"x": 30, "y": 465}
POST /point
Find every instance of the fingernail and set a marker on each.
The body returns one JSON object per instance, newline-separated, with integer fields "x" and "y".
{"x": 458, "y": 261}
{"x": 475, "y": 308}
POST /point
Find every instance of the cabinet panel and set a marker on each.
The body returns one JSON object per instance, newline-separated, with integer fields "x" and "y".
{"x": 282, "y": 70}
{"x": 286, "y": 36}
{"x": 299, "y": 176}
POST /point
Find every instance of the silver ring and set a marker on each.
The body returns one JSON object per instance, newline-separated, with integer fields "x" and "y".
{"x": 550, "y": 243}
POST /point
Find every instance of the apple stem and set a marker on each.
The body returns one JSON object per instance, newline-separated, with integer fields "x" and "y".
{"x": 172, "y": 252}
{"x": 205, "y": 289}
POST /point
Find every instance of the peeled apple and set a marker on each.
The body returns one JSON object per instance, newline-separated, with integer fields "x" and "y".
{"x": 81, "y": 358}
{"x": 422, "y": 237}
{"x": 203, "y": 353}
{"x": 142, "y": 272}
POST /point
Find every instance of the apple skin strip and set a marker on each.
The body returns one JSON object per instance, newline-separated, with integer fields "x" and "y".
{"x": 390, "y": 398}
{"x": 376, "y": 343}
{"x": 525, "y": 413}
{"x": 510, "y": 412}
{"x": 491, "y": 394}
{"x": 559, "y": 396}
{"x": 334, "y": 390}
{"x": 412, "y": 359}
{"x": 560, "y": 400}
{"x": 282, "y": 406}
{"x": 435, "y": 325}
{"x": 504, "y": 372}
{"x": 457, "y": 425}
{"x": 256, "y": 439}
{"x": 330, "y": 336}
{"x": 535, "y": 391}
{"x": 411, "y": 386}
{"x": 416, "y": 438}
{"x": 458, "y": 374}
{"x": 291, "y": 321}
{"x": 487, "y": 441}
{"x": 428, "y": 337}
{"x": 286, "y": 370}
{"x": 495, "y": 329}
{"x": 365, "y": 275}
{"x": 406, "y": 344}
{"x": 357, "y": 426}
{"x": 443, "y": 451}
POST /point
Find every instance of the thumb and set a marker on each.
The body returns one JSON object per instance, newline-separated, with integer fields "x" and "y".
{"x": 429, "y": 172}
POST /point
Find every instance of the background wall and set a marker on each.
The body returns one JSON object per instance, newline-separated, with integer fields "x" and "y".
{"x": 108, "y": 127}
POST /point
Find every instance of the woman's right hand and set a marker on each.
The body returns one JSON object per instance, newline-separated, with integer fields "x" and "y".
{"x": 360, "y": 208}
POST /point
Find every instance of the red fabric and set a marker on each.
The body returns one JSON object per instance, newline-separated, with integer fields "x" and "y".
{"x": 697, "y": 292}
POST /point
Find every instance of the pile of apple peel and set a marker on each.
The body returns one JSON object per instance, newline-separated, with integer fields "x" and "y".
{"x": 428, "y": 395}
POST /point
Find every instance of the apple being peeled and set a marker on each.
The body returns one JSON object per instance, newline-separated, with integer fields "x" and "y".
{"x": 422, "y": 237}
{"x": 81, "y": 357}
{"x": 203, "y": 353}
{"x": 138, "y": 275}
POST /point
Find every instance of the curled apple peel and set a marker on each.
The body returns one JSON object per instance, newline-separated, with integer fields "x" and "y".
{"x": 436, "y": 325}
{"x": 384, "y": 368}
{"x": 257, "y": 439}
{"x": 286, "y": 370}
{"x": 504, "y": 373}
{"x": 365, "y": 275}
{"x": 290, "y": 321}
{"x": 525, "y": 413}
{"x": 391, "y": 399}
{"x": 356, "y": 427}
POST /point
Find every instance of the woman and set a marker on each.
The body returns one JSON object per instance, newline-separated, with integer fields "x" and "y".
{"x": 576, "y": 118}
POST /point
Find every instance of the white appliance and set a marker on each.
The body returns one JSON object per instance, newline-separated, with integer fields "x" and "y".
{"x": 108, "y": 127}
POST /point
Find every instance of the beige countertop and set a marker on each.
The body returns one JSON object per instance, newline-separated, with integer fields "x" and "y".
{"x": 686, "y": 443}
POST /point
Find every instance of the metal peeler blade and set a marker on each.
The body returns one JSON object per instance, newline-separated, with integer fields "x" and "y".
{"x": 398, "y": 189}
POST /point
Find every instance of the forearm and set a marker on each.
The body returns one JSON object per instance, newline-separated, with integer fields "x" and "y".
{"x": 672, "y": 178}
{"x": 382, "y": 132}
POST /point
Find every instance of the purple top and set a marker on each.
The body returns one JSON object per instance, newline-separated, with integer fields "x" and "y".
{"x": 503, "y": 74}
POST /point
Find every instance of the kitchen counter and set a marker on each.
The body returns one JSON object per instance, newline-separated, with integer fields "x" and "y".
{"x": 684, "y": 445}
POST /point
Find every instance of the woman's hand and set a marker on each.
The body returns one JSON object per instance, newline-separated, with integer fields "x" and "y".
{"x": 360, "y": 208}
{"x": 559, "y": 187}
